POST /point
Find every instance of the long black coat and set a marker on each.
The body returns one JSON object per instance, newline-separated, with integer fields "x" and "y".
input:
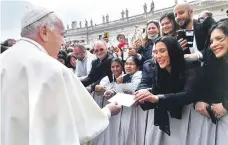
{"x": 213, "y": 85}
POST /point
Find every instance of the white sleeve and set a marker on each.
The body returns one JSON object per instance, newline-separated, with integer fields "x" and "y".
{"x": 199, "y": 54}
{"x": 136, "y": 79}
{"x": 104, "y": 81}
{"x": 72, "y": 107}
{"x": 107, "y": 112}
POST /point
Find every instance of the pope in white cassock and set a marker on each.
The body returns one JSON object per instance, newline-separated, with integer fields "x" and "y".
{"x": 42, "y": 101}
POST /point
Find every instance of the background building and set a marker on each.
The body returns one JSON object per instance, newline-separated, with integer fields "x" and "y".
{"x": 126, "y": 25}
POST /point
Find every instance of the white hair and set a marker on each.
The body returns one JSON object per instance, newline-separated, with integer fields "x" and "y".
{"x": 100, "y": 42}
{"x": 33, "y": 29}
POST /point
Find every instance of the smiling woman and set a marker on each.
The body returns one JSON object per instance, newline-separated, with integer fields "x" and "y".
{"x": 212, "y": 89}
{"x": 168, "y": 24}
{"x": 219, "y": 41}
{"x": 173, "y": 84}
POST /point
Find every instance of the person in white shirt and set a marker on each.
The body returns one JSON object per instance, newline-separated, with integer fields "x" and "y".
{"x": 42, "y": 101}
{"x": 84, "y": 61}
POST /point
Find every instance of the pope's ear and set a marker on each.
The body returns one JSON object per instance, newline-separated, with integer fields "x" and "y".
{"x": 43, "y": 32}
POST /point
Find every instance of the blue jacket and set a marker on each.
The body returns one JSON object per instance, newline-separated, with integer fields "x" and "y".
{"x": 146, "y": 81}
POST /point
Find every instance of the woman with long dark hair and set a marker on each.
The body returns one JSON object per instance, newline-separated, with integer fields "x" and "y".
{"x": 172, "y": 90}
{"x": 168, "y": 24}
{"x": 62, "y": 57}
{"x": 212, "y": 91}
{"x": 71, "y": 61}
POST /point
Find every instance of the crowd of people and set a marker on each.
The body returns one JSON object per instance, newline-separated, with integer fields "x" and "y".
{"x": 177, "y": 73}
{"x": 181, "y": 99}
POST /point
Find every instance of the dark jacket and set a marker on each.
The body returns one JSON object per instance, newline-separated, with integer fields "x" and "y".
{"x": 213, "y": 85}
{"x": 99, "y": 70}
{"x": 146, "y": 81}
{"x": 146, "y": 52}
{"x": 201, "y": 32}
{"x": 177, "y": 92}
{"x": 3, "y": 48}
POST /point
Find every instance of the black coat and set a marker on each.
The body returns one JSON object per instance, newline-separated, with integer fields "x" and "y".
{"x": 177, "y": 92}
{"x": 146, "y": 81}
{"x": 99, "y": 70}
{"x": 213, "y": 85}
{"x": 201, "y": 32}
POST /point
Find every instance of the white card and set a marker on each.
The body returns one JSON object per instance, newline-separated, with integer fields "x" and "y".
{"x": 123, "y": 99}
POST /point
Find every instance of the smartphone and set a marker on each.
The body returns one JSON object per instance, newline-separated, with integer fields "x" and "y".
{"x": 181, "y": 34}
{"x": 189, "y": 35}
{"x": 186, "y": 35}
{"x": 212, "y": 115}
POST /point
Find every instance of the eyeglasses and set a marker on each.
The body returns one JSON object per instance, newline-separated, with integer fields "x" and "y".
{"x": 99, "y": 50}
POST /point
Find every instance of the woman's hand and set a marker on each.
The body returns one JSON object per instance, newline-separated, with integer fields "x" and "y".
{"x": 118, "y": 52}
{"x": 109, "y": 94}
{"x": 132, "y": 52}
{"x": 119, "y": 80}
{"x": 99, "y": 88}
{"x": 137, "y": 44}
{"x": 201, "y": 107}
{"x": 219, "y": 110}
{"x": 144, "y": 95}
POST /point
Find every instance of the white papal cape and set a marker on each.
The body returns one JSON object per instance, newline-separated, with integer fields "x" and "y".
{"x": 43, "y": 102}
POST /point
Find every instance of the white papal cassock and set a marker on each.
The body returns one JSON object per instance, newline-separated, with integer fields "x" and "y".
{"x": 43, "y": 102}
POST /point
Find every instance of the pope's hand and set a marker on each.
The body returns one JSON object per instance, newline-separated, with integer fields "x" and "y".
{"x": 114, "y": 109}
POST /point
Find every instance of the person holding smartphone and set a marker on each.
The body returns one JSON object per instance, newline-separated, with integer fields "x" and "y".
{"x": 144, "y": 47}
{"x": 192, "y": 30}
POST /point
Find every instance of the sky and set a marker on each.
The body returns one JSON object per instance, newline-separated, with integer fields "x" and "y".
{"x": 11, "y": 11}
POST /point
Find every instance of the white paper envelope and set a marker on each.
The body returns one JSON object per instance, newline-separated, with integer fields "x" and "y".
{"x": 123, "y": 99}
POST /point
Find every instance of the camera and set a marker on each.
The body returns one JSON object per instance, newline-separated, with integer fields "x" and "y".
{"x": 186, "y": 35}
